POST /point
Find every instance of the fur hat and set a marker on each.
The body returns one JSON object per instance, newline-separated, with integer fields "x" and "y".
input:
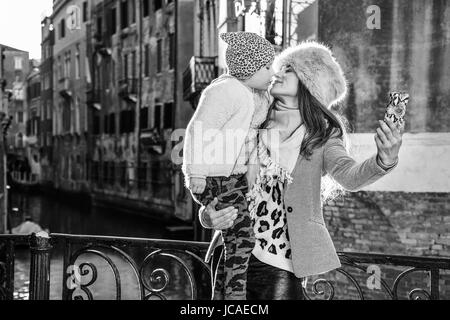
{"x": 317, "y": 69}
{"x": 246, "y": 53}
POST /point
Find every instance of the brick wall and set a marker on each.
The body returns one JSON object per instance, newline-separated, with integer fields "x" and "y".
{"x": 396, "y": 223}
{"x": 391, "y": 222}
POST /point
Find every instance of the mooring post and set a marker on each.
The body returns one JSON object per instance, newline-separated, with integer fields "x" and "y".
{"x": 40, "y": 249}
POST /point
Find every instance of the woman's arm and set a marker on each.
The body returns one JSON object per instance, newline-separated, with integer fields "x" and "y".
{"x": 354, "y": 176}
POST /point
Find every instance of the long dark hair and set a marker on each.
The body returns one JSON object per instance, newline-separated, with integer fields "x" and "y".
{"x": 321, "y": 124}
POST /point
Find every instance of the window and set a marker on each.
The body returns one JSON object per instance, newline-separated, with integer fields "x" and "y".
{"x": 62, "y": 29}
{"x": 147, "y": 60}
{"x": 66, "y": 116}
{"x": 125, "y": 66}
{"x": 132, "y": 11}
{"x": 105, "y": 124}
{"x": 47, "y": 81}
{"x": 18, "y": 63}
{"x": 67, "y": 65}
{"x": 157, "y": 117}
{"x": 77, "y": 115}
{"x": 112, "y": 123}
{"x": 49, "y": 139}
{"x": 158, "y": 5}
{"x": 60, "y": 68}
{"x": 96, "y": 123}
{"x": 44, "y": 110}
{"x": 124, "y": 14}
{"x": 145, "y": 8}
{"x": 99, "y": 27}
{"x": 19, "y": 140}
{"x": 144, "y": 118}
{"x": 159, "y": 56}
{"x": 85, "y": 11}
{"x": 171, "y": 51}
{"x": 133, "y": 65}
{"x": 49, "y": 111}
{"x": 113, "y": 20}
{"x": 77, "y": 63}
{"x": 168, "y": 116}
{"x": 20, "y": 117}
{"x": 127, "y": 121}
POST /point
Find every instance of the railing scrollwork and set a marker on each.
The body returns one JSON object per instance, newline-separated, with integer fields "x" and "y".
{"x": 149, "y": 269}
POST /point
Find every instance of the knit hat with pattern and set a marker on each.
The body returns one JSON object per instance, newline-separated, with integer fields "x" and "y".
{"x": 247, "y": 53}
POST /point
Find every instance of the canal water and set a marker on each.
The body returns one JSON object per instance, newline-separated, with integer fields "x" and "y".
{"x": 61, "y": 214}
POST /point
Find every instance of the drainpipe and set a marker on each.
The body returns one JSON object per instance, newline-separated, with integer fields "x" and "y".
{"x": 139, "y": 99}
{"x": 285, "y": 26}
{"x": 3, "y": 151}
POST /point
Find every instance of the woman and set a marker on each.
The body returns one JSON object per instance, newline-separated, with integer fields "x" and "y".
{"x": 289, "y": 192}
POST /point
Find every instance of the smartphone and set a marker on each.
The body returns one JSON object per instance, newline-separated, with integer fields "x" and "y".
{"x": 396, "y": 109}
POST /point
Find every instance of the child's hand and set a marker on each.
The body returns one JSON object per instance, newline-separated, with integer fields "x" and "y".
{"x": 197, "y": 185}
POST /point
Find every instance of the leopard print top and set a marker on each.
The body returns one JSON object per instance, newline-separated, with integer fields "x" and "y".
{"x": 270, "y": 228}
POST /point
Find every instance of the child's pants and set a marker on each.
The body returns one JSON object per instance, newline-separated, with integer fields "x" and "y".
{"x": 239, "y": 240}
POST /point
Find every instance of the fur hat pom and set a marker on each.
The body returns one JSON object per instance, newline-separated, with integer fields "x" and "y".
{"x": 317, "y": 69}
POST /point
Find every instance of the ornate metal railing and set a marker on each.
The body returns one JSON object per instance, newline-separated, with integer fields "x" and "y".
{"x": 378, "y": 276}
{"x": 133, "y": 268}
{"x": 97, "y": 267}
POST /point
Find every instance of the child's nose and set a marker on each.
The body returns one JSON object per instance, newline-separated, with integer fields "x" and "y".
{"x": 272, "y": 72}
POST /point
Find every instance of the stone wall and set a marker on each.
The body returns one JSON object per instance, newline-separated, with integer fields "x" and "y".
{"x": 410, "y": 51}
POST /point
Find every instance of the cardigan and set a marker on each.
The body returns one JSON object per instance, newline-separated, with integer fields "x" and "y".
{"x": 220, "y": 124}
{"x": 312, "y": 249}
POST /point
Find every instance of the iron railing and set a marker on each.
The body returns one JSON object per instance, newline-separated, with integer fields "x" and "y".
{"x": 163, "y": 269}
{"x": 159, "y": 269}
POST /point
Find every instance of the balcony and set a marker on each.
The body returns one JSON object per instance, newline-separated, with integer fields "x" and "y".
{"x": 93, "y": 96}
{"x": 128, "y": 89}
{"x": 153, "y": 140}
{"x": 66, "y": 89}
{"x": 198, "y": 75}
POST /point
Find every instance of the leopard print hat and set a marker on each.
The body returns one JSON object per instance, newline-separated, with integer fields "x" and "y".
{"x": 247, "y": 53}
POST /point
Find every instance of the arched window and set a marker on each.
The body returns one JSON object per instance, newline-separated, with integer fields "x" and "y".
{"x": 19, "y": 140}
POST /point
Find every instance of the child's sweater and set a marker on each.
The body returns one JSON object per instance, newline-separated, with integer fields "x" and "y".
{"x": 218, "y": 130}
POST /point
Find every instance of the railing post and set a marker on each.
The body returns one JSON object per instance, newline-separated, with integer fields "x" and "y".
{"x": 434, "y": 283}
{"x": 40, "y": 249}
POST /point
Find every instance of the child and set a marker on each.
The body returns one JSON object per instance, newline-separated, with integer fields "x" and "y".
{"x": 228, "y": 115}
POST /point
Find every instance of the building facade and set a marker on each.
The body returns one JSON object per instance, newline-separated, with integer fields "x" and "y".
{"x": 33, "y": 115}
{"x": 135, "y": 51}
{"x": 15, "y": 70}
{"x": 70, "y": 112}
{"x": 46, "y": 121}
